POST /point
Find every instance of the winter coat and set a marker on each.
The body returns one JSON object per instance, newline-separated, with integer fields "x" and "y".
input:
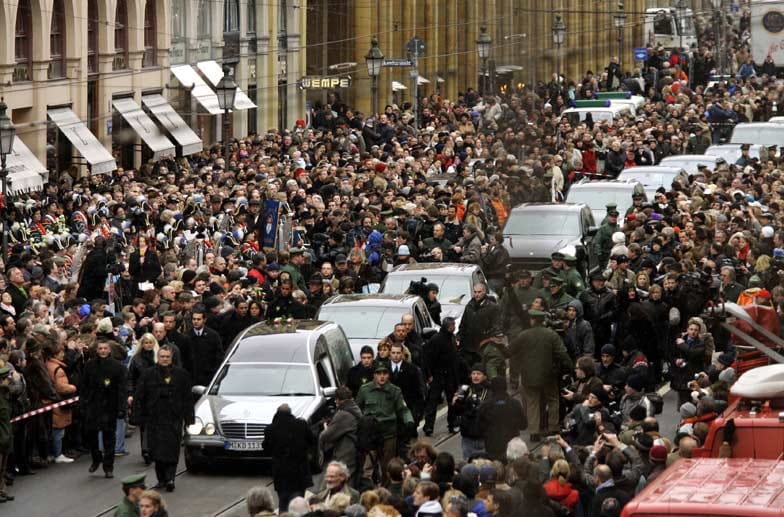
{"x": 92, "y": 278}
{"x": 61, "y": 417}
{"x": 289, "y": 440}
{"x": 495, "y": 261}
{"x": 102, "y": 394}
{"x": 6, "y": 438}
{"x": 600, "y": 309}
{"x": 139, "y": 363}
{"x": 387, "y": 405}
{"x": 578, "y": 337}
{"x": 493, "y": 359}
{"x": 565, "y": 494}
{"x": 692, "y": 352}
{"x": 339, "y": 440}
{"x": 471, "y": 249}
{"x": 149, "y": 271}
{"x": 480, "y": 320}
{"x": 502, "y": 419}
{"x": 40, "y": 387}
{"x": 467, "y": 407}
{"x": 202, "y": 355}
{"x": 442, "y": 360}
{"x": 162, "y": 403}
{"x": 409, "y": 379}
{"x": 232, "y": 325}
{"x": 540, "y": 356}
{"x": 359, "y": 375}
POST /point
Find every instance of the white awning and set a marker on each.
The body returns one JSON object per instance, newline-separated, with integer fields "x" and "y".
{"x": 100, "y": 160}
{"x": 143, "y": 125}
{"x": 24, "y": 170}
{"x": 214, "y": 73}
{"x": 173, "y": 123}
{"x": 440, "y": 79}
{"x": 190, "y": 78}
{"x": 422, "y": 80}
{"x": 396, "y": 86}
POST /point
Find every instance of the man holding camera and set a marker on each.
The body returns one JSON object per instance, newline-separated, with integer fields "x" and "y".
{"x": 466, "y": 404}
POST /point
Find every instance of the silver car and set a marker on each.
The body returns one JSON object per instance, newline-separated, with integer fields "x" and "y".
{"x": 299, "y": 363}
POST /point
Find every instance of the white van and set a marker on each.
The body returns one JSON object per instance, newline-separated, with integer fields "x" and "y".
{"x": 731, "y": 152}
{"x": 599, "y": 114}
{"x": 691, "y": 162}
{"x": 635, "y": 102}
{"x": 762, "y": 133}
{"x": 665, "y": 27}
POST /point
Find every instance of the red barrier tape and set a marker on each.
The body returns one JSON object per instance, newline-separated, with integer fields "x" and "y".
{"x": 45, "y": 409}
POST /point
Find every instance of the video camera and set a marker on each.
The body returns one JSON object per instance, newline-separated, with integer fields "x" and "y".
{"x": 418, "y": 288}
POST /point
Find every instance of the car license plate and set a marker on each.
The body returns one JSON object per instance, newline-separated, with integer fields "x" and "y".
{"x": 243, "y": 445}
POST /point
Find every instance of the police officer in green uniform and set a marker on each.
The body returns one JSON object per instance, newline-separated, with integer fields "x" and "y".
{"x": 603, "y": 241}
{"x": 293, "y": 269}
{"x": 133, "y": 486}
{"x": 636, "y": 207}
{"x": 610, "y": 208}
{"x": 514, "y": 311}
{"x": 745, "y": 158}
{"x": 557, "y": 297}
{"x": 557, "y": 268}
{"x": 574, "y": 280}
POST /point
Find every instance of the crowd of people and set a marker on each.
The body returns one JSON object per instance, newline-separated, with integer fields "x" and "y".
{"x": 127, "y": 289}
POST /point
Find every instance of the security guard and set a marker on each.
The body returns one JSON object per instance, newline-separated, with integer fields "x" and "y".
{"x": 603, "y": 241}
{"x": 636, "y": 207}
{"x": 574, "y": 280}
{"x": 611, "y": 207}
{"x": 557, "y": 268}
{"x": 557, "y": 298}
{"x": 133, "y": 486}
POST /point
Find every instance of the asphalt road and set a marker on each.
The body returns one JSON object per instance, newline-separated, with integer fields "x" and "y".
{"x": 69, "y": 491}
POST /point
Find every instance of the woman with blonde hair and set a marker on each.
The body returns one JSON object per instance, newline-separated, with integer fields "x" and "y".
{"x": 558, "y": 487}
{"x": 151, "y": 504}
{"x": 145, "y": 356}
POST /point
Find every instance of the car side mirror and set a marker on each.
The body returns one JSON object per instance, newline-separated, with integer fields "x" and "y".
{"x": 199, "y": 390}
{"x": 428, "y": 332}
{"x": 329, "y": 392}
{"x": 592, "y": 230}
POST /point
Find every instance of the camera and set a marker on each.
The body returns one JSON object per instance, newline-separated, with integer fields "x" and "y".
{"x": 462, "y": 391}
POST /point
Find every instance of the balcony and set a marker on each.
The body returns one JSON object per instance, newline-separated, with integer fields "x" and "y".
{"x": 22, "y": 72}
{"x": 120, "y": 61}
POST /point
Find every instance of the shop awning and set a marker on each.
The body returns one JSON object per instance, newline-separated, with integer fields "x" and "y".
{"x": 214, "y": 73}
{"x": 422, "y": 80}
{"x": 26, "y": 173}
{"x": 100, "y": 160}
{"x": 173, "y": 123}
{"x": 190, "y": 78}
{"x": 143, "y": 125}
{"x": 397, "y": 86}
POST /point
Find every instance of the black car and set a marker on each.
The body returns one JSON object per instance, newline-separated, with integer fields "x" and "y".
{"x": 534, "y": 231}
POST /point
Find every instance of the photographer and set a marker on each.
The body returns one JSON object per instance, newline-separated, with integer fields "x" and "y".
{"x": 588, "y": 418}
{"x": 92, "y": 276}
{"x": 466, "y": 404}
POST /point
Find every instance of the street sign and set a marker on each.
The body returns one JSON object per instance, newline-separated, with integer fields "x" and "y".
{"x": 640, "y": 54}
{"x": 397, "y": 62}
{"x": 416, "y": 46}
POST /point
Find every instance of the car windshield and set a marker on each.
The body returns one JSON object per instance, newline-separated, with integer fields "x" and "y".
{"x": 597, "y": 197}
{"x": 543, "y": 223}
{"x": 266, "y": 379}
{"x": 648, "y": 179}
{"x": 451, "y": 289}
{"x": 363, "y": 322}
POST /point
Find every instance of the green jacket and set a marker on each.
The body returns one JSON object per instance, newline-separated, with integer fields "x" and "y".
{"x": 126, "y": 509}
{"x": 574, "y": 282}
{"x": 387, "y": 405}
{"x": 603, "y": 241}
{"x": 493, "y": 360}
{"x": 540, "y": 356}
{"x": 549, "y": 271}
{"x": 6, "y": 438}
{"x": 559, "y": 301}
{"x": 511, "y": 308}
{"x": 296, "y": 277}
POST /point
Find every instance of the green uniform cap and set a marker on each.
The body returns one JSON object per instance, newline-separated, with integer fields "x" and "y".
{"x": 134, "y": 480}
{"x": 5, "y": 371}
{"x": 611, "y": 206}
{"x": 381, "y": 367}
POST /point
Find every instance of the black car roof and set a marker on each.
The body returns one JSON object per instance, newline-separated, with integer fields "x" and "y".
{"x": 283, "y": 343}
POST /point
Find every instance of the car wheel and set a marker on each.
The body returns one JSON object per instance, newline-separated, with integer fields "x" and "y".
{"x": 193, "y": 461}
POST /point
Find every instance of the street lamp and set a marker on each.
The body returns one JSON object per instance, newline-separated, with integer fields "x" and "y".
{"x": 620, "y": 20}
{"x": 483, "y": 43}
{"x": 227, "y": 91}
{"x": 559, "y": 36}
{"x": 374, "y": 60}
{"x": 7, "y": 134}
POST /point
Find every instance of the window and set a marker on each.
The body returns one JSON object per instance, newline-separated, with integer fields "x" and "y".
{"x": 204, "y": 19}
{"x": 121, "y": 36}
{"x": 178, "y": 19}
{"x": 150, "y": 34}
{"x": 92, "y": 36}
{"x": 251, "y": 16}
{"x": 57, "y": 41}
{"x": 23, "y": 52}
{"x": 231, "y": 16}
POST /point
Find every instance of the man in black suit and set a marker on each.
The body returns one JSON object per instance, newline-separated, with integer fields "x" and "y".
{"x": 408, "y": 377}
{"x": 204, "y": 352}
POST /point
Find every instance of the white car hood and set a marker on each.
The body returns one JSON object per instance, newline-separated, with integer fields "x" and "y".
{"x": 259, "y": 409}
